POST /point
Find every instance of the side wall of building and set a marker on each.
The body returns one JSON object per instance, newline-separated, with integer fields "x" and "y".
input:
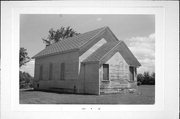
{"x": 118, "y": 68}
{"x": 52, "y": 75}
{"x": 118, "y": 73}
{"x": 91, "y": 79}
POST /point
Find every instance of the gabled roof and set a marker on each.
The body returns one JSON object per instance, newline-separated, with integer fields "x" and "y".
{"x": 77, "y": 42}
{"x": 108, "y": 48}
{"x": 127, "y": 55}
{"x": 101, "y": 52}
{"x": 69, "y": 44}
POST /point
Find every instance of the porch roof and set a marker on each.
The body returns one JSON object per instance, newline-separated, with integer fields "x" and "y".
{"x": 101, "y": 52}
{"x": 108, "y": 48}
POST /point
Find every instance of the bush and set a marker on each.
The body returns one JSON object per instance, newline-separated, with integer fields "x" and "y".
{"x": 146, "y": 79}
{"x": 25, "y": 80}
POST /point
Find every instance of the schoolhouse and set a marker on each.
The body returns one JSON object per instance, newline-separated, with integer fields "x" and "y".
{"x": 94, "y": 62}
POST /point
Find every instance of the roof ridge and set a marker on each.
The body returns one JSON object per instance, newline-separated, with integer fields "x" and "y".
{"x": 75, "y": 42}
{"x": 103, "y": 28}
{"x": 131, "y": 53}
{"x": 110, "y": 50}
{"x": 100, "y": 49}
{"x": 97, "y": 50}
{"x": 77, "y": 36}
{"x": 95, "y": 29}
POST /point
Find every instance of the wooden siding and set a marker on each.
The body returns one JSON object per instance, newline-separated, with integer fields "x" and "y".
{"x": 118, "y": 68}
{"x": 41, "y": 72}
{"x": 70, "y": 61}
{"x": 118, "y": 73}
{"x": 67, "y": 72}
{"x": 62, "y": 70}
{"x": 50, "y": 71}
{"x": 91, "y": 79}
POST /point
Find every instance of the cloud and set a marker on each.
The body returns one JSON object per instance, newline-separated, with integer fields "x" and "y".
{"x": 29, "y": 67}
{"x": 99, "y": 19}
{"x": 144, "y": 50}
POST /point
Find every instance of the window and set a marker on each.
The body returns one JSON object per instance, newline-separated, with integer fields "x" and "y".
{"x": 41, "y": 72}
{"x": 50, "y": 71}
{"x": 62, "y": 71}
{"x": 105, "y": 72}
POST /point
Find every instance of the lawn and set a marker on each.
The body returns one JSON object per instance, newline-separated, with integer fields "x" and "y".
{"x": 145, "y": 95}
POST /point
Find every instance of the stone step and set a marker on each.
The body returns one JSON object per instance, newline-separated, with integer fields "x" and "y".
{"x": 107, "y": 91}
{"x": 121, "y": 91}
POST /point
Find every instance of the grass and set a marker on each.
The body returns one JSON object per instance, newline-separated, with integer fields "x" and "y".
{"x": 146, "y": 95}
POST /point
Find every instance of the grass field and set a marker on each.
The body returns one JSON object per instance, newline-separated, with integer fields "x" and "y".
{"x": 146, "y": 95}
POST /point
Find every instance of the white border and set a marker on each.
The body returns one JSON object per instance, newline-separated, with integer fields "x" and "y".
{"x": 11, "y": 12}
{"x": 159, "y": 14}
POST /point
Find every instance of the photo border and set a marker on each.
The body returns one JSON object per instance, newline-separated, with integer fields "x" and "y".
{"x": 11, "y": 95}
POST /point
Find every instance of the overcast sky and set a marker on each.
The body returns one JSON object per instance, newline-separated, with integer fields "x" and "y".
{"x": 137, "y": 31}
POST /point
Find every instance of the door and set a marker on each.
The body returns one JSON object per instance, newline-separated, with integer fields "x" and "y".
{"x": 106, "y": 72}
{"x": 131, "y": 69}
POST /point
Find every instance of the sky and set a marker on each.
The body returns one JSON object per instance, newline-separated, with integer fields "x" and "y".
{"x": 137, "y": 31}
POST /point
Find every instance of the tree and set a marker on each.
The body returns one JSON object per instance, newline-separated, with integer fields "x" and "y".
{"x": 140, "y": 78}
{"x": 153, "y": 76}
{"x": 152, "y": 79}
{"x": 146, "y": 78}
{"x": 23, "y": 57}
{"x": 25, "y": 80}
{"x": 58, "y": 35}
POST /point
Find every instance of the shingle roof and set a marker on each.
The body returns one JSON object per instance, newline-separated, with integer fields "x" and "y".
{"x": 110, "y": 46}
{"x": 70, "y": 43}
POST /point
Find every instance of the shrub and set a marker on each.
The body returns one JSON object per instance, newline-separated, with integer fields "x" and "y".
{"x": 146, "y": 79}
{"x": 25, "y": 80}
{"x": 140, "y": 79}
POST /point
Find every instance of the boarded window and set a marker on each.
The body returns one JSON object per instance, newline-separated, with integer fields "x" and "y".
{"x": 41, "y": 72}
{"x": 50, "y": 71}
{"x": 106, "y": 72}
{"x": 131, "y": 69}
{"x": 62, "y": 71}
